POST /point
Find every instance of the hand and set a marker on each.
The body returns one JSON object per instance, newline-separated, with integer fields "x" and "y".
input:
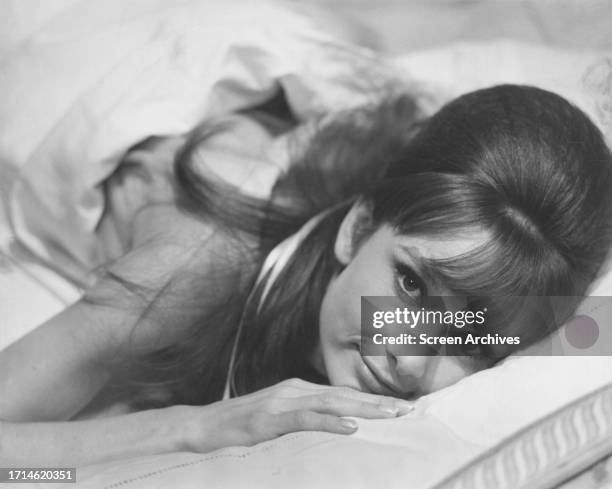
{"x": 287, "y": 407}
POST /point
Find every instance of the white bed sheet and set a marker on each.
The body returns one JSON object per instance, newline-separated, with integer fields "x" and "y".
{"x": 30, "y": 292}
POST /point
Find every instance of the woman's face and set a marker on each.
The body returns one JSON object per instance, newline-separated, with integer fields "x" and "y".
{"x": 386, "y": 264}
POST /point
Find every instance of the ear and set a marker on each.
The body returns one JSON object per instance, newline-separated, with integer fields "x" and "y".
{"x": 356, "y": 224}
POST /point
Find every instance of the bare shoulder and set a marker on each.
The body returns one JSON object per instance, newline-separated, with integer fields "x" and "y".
{"x": 167, "y": 256}
{"x": 178, "y": 265}
{"x": 167, "y": 243}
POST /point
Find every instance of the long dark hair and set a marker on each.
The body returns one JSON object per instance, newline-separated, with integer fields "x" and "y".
{"x": 518, "y": 161}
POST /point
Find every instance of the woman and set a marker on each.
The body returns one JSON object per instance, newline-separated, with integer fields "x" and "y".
{"x": 503, "y": 192}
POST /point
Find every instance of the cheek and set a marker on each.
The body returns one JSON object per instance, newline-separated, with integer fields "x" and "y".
{"x": 340, "y": 312}
{"x": 336, "y": 328}
{"x": 341, "y": 307}
{"x": 367, "y": 275}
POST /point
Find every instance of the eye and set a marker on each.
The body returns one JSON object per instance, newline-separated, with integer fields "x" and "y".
{"x": 409, "y": 282}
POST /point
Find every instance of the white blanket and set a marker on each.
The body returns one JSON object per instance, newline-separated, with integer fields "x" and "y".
{"x": 93, "y": 78}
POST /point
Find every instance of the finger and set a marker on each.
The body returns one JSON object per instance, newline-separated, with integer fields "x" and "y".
{"x": 402, "y": 405}
{"x": 329, "y": 403}
{"x": 296, "y": 387}
{"x": 304, "y": 420}
{"x": 293, "y": 387}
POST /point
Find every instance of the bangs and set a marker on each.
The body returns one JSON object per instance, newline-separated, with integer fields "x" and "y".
{"x": 502, "y": 279}
{"x": 513, "y": 274}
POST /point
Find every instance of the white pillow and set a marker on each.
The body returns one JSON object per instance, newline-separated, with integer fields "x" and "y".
{"x": 447, "y": 430}
{"x": 582, "y": 77}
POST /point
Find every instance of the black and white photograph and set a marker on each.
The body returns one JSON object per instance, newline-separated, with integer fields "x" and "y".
{"x": 306, "y": 244}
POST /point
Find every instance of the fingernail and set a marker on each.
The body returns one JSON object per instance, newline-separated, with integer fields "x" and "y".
{"x": 389, "y": 410}
{"x": 350, "y": 424}
{"x": 405, "y": 407}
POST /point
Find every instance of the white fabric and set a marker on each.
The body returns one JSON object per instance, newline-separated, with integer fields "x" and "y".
{"x": 30, "y": 293}
{"x": 82, "y": 81}
{"x": 95, "y": 78}
{"x": 412, "y": 452}
{"x": 445, "y": 431}
{"x": 583, "y": 77}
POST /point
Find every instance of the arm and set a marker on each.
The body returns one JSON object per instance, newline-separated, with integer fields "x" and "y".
{"x": 77, "y": 443}
{"x": 54, "y": 371}
{"x": 290, "y": 406}
{"x": 51, "y": 373}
